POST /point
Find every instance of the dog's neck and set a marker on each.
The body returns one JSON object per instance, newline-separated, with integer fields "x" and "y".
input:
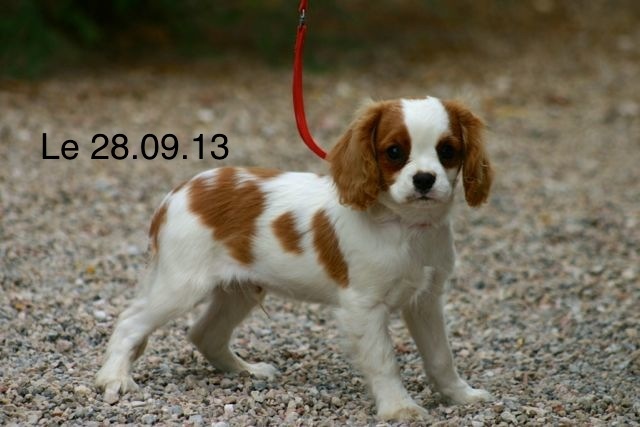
{"x": 415, "y": 219}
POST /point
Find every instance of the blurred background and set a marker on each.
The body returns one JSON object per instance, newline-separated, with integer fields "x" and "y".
{"x": 543, "y": 305}
{"x": 41, "y": 36}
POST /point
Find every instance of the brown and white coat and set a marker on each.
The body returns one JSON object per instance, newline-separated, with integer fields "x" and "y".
{"x": 372, "y": 237}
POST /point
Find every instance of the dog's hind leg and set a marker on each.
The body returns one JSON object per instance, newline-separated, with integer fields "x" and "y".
{"x": 213, "y": 330}
{"x": 156, "y": 305}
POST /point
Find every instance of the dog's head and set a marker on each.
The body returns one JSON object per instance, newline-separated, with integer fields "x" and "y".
{"x": 408, "y": 154}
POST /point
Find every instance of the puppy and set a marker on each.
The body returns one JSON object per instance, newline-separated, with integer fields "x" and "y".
{"x": 372, "y": 237}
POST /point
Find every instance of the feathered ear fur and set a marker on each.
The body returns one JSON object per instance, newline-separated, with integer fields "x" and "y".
{"x": 353, "y": 160}
{"x": 477, "y": 173}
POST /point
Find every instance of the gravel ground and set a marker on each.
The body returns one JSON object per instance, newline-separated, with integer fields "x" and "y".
{"x": 543, "y": 308}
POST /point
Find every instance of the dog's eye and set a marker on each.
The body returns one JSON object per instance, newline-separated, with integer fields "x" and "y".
{"x": 395, "y": 153}
{"x": 446, "y": 152}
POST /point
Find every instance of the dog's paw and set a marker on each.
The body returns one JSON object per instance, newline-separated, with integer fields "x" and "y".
{"x": 465, "y": 394}
{"x": 114, "y": 386}
{"x": 407, "y": 411}
{"x": 261, "y": 370}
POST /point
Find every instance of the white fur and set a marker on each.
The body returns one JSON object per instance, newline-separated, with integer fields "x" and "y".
{"x": 426, "y": 120}
{"x": 399, "y": 255}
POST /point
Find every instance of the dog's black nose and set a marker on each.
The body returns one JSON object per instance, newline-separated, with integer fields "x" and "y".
{"x": 423, "y": 181}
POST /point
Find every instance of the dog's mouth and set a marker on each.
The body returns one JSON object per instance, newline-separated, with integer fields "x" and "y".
{"x": 421, "y": 198}
{"x": 426, "y": 200}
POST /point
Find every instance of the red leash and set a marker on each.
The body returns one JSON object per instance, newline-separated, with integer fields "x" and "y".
{"x": 298, "y": 101}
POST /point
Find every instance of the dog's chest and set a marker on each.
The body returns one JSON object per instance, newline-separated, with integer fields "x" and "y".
{"x": 395, "y": 264}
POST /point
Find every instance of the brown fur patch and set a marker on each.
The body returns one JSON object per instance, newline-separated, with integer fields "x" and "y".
{"x": 158, "y": 219}
{"x": 359, "y": 164}
{"x": 477, "y": 173}
{"x": 264, "y": 173}
{"x": 284, "y": 228}
{"x": 230, "y": 209}
{"x": 391, "y": 131}
{"x": 327, "y": 247}
{"x": 455, "y": 148}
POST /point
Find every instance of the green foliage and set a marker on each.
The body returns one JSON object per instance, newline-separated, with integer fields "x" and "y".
{"x": 24, "y": 38}
{"x": 37, "y": 35}
{"x": 40, "y": 35}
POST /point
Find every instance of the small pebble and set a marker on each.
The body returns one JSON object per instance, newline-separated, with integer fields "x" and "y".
{"x": 63, "y": 346}
{"x": 260, "y": 385}
{"x": 196, "y": 419}
{"x": 508, "y": 417}
{"x": 175, "y": 410}
{"x": 34, "y": 416}
{"x": 149, "y": 419}
{"x": 82, "y": 390}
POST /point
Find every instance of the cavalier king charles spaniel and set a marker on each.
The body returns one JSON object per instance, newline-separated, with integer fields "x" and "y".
{"x": 372, "y": 237}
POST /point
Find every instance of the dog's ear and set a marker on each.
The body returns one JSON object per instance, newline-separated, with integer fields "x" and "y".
{"x": 477, "y": 172}
{"x": 353, "y": 160}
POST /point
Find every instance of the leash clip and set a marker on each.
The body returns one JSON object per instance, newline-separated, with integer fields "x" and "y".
{"x": 303, "y": 18}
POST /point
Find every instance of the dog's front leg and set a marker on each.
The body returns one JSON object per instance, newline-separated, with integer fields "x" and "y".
{"x": 425, "y": 320}
{"x": 365, "y": 327}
